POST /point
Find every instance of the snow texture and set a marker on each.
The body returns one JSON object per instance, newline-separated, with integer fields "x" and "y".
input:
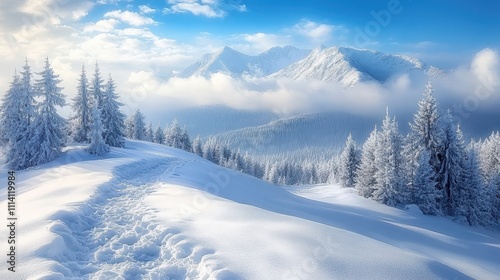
{"x": 155, "y": 212}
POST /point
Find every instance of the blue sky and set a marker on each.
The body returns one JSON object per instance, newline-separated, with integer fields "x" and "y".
{"x": 142, "y": 42}
{"x": 444, "y": 32}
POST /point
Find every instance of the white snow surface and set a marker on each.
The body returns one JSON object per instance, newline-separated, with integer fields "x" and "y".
{"x": 154, "y": 212}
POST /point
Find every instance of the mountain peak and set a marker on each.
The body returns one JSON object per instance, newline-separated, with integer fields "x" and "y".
{"x": 237, "y": 64}
{"x": 349, "y": 66}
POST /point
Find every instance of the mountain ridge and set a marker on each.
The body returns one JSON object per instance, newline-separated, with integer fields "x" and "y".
{"x": 347, "y": 66}
{"x": 234, "y": 63}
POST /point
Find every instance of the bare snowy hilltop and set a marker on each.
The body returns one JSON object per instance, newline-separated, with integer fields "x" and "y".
{"x": 154, "y": 212}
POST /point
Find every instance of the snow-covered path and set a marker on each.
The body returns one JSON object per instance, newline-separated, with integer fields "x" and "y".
{"x": 116, "y": 236}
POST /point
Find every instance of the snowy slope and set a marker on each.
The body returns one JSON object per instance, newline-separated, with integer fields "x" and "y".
{"x": 152, "y": 212}
{"x": 323, "y": 130}
{"x": 237, "y": 64}
{"x": 349, "y": 66}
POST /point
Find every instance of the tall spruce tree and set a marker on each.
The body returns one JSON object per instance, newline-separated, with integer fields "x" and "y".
{"x": 19, "y": 153}
{"x": 97, "y": 145}
{"x": 390, "y": 188}
{"x": 197, "y": 146}
{"x": 367, "y": 168}
{"x": 173, "y": 136}
{"x": 48, "y": 126}
{"x": 82, "y": 106}
{"x": 139, "y": 126}
{"x": 427, "y": 134}
{"x": 472, "y": 202}
{"x": 150, "y": 136}
{"x": 452, "y": 165}
{"x": 113, "y": 120}
{"x": 96, "y": 87}
{"x": 10, "y": 110}
{"x": 349, "y": 161}
{"x": 159, "y": 135}
{"x": 425, "y": 194}
{"x": 185, "y": 140}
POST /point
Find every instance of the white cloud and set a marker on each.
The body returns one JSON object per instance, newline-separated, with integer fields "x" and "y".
{"x": 207, "y": 8}
{"x": 318, "y": 32}
{"x": 259, "y": 42}
{"x": 129, "y": 17}
{"x": 105, "y": 25}
{"x": 485, "y": 66}
{"x": 73, "y": 10}
{"x": 146, "y": 10}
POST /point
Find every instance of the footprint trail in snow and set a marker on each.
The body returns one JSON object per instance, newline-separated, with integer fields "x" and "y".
{"x": 116, "y": 236}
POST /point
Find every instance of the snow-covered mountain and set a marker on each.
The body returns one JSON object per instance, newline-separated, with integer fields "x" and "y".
{"x": 349, "y": 66}
{"x": 237, "y": 64}
{"x": 346, "y": 66}
{"x": 153, "y": 212}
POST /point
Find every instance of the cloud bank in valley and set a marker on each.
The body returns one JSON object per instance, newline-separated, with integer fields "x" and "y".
{"x": 285, "y": 96}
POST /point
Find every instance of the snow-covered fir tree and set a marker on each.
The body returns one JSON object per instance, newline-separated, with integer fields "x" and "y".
{"x": 173, "y": 135}
{"x": 411, "y": 158}
{"x": 177, "y": 137}
{"x": 185, "y": 140}
{"x": 96, "y": 87}
{"x": 197, "y": 146}
{"x": 159, "y": 136}
{"x": 48, "y": 126}
{"x": 150, "y": 136}
{"x": 489, "y": 155}
{"x": 427, "y": 134}
{"x": 472, "y": 202}
{"x": 10, "y": 111}
{"x": 349, "y": 161}
{"x": 129, "y": 127}
{"x": 113, "y": 120}
{"x": 452, "y": 165}
{"x": 425, "y": 125}
{"x": 390, "y": 188}
{"x": 211, "y": 150}
{"x": 493, "y": 192}
{"x": 367, "y": 168}
{"x": 425, "y": 194}
{"x": 139, "y": 126}
{"x": 82, "y": 106}
{"x": 19, "y": 153}
{"x": 97, "y": 145}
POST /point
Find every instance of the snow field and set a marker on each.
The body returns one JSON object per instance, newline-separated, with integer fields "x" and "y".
{"x": 153, "y": 212}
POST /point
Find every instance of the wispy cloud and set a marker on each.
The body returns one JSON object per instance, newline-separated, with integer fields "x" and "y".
{"x": 207, "y": 8}
{"x": 318, "y": 32}
{"x": 130, "y": 18}
{"x": 259, "y": 42}
{"x": 105, "y": 25}
{"x": 146, "y": 9}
